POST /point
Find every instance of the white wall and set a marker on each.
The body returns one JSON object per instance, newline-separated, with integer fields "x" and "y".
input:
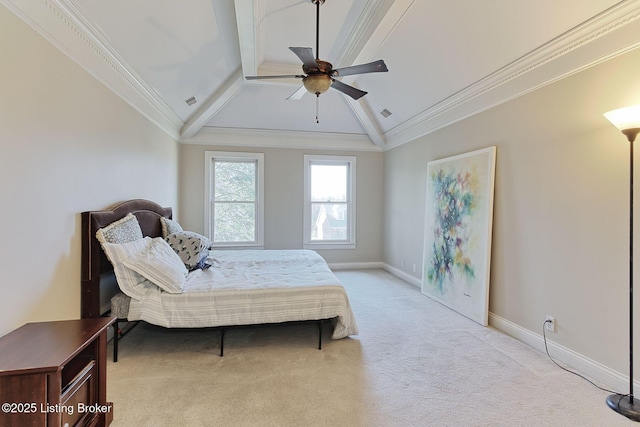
{"x": 560, "y": 231}
{"x": 284, "y": 170}
{"x": 68, "y": 145}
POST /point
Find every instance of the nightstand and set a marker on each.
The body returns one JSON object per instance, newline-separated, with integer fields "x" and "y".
{"x": 55, "y": 374}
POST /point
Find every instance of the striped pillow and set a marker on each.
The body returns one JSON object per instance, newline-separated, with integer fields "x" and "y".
{"x": 161, "y": 265}
{"x": 131, "y": 283}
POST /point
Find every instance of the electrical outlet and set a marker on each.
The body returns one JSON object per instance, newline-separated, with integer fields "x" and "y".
{"x": 550, "y": 323}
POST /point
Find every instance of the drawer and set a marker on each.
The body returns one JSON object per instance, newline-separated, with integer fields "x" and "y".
{"x": 78, "y": 395}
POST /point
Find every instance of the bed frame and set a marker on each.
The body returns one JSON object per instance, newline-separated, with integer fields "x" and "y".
{"x": 95, "y": 263}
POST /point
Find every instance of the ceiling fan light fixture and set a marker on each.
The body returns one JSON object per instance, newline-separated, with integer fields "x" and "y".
{"x": 317, "y": 84}
{"x": 319, "y": 75}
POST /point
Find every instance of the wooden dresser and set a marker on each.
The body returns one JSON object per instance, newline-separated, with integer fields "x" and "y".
{"x": 55, "y": 374}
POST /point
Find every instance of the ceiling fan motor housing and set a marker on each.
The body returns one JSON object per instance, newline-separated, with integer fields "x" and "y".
{"x": 318, "y": 79}
{"x": 323, "y": 67}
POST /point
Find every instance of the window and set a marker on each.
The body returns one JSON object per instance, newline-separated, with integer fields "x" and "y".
{"x": 329, "y": 211}
{"x": 234, "y": 198}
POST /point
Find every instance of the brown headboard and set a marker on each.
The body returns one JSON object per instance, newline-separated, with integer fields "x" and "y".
{"x": 94, "y": 262}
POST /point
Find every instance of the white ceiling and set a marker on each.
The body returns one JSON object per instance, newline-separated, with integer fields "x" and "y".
{"x": 447, "y": 59}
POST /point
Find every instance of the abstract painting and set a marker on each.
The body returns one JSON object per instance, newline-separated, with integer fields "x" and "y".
{"x": 458, "y": 223}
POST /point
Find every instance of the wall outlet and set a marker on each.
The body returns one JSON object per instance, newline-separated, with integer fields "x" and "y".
{"x": 550, "y": 323}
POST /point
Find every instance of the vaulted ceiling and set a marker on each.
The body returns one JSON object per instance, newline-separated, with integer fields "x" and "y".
{"x": 447, "y": 60}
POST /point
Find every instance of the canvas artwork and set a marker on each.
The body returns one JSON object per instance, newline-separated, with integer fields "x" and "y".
{"x": 457, "y": 248}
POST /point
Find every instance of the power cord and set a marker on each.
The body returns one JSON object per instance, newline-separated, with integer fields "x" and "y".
{"x": 544, "y": 334}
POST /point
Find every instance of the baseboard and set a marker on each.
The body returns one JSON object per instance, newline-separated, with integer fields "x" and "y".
{"x": 402, "y": 275}
{"x": 597, "y": 372}
{"x": 376, "y": 264}
{"x": 355, "y": 265}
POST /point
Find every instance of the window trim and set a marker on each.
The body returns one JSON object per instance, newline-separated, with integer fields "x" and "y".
{"x": 209, "y": 158}
{"x": 350, "y": 242}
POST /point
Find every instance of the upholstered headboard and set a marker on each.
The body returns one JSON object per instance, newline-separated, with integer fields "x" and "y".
{"x": 94, "y": 262}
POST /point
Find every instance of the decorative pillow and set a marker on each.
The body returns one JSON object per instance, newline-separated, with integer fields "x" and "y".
{"x": 192, "y": 248}
{"x": 123, "y": 230}
{"x": 131, "y": 283}
{"x": 120, "y": 305}
{"x": 169, "y": 226}
{"x": 161, "y": 265}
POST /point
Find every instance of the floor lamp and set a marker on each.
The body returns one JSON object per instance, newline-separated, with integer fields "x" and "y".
{"x": 628, "y": 121}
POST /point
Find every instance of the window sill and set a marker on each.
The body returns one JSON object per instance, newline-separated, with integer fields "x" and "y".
{"x": 231, "y": 247}
{"x": 332, "y": 245}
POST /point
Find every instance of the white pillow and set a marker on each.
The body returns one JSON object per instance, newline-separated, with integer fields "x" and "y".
{"x": 131, "y": 283}
{"x": 124, "y": 230}
{"x": 161, "y": 265}
{"x": 169, "y": 226}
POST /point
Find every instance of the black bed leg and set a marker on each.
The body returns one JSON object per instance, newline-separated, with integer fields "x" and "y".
{"x": 319, "y": 334}
{"x": 116, "y": 334}
{"x": 222, "y": 331}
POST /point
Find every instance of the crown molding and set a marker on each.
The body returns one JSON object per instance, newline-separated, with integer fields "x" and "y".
{"x": 62, "y": 23}
{"x": 281, "y": 139}
{"x": 611, "y": 33}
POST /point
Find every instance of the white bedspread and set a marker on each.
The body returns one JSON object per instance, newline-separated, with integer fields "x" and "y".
{"x": 244, "y": 287}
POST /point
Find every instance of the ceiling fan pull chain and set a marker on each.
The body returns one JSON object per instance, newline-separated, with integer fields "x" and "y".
{"x": 317, "y": 103}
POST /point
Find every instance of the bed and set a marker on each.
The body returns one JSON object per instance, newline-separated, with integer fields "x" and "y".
{"x": 229, "y": 288}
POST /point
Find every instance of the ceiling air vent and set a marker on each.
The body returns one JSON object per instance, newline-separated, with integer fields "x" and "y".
{"x": 191, "y": 101}
{"x": 385, "y": 113}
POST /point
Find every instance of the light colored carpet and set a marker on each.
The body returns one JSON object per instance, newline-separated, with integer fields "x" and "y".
{"x": 415, "y": 363}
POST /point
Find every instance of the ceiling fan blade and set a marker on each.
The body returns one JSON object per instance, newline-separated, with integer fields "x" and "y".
{"x": 348, "y": 90}
{"x": 373, "y": 67}
{"x": 298, "y": 94}
{"x": 291, "y": 76}
{"x": 306, "y": 56}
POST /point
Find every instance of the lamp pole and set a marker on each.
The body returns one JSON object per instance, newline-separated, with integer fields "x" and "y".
{"x": 628, "y": 121}
{"x": 631, "y": 137}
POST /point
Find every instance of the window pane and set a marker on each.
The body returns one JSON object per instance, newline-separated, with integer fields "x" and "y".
{"x": 235, "y": 181}
{"x": 234, "y": 222}
{"x": 329, "y": 183}
{"x": 329, "y": 221}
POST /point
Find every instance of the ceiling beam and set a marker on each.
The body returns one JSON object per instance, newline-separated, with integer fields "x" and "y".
{"x": 249, "y": 13}
{"x": 387, "y": 24}
{"x": 385, "y": 27}
{"x": 363, "y": 113}
{"x": 213, "y": 104}
{"x": 363, "y": 30}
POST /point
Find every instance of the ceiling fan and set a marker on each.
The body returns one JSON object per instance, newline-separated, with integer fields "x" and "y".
{"x": 319, "y": 75}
